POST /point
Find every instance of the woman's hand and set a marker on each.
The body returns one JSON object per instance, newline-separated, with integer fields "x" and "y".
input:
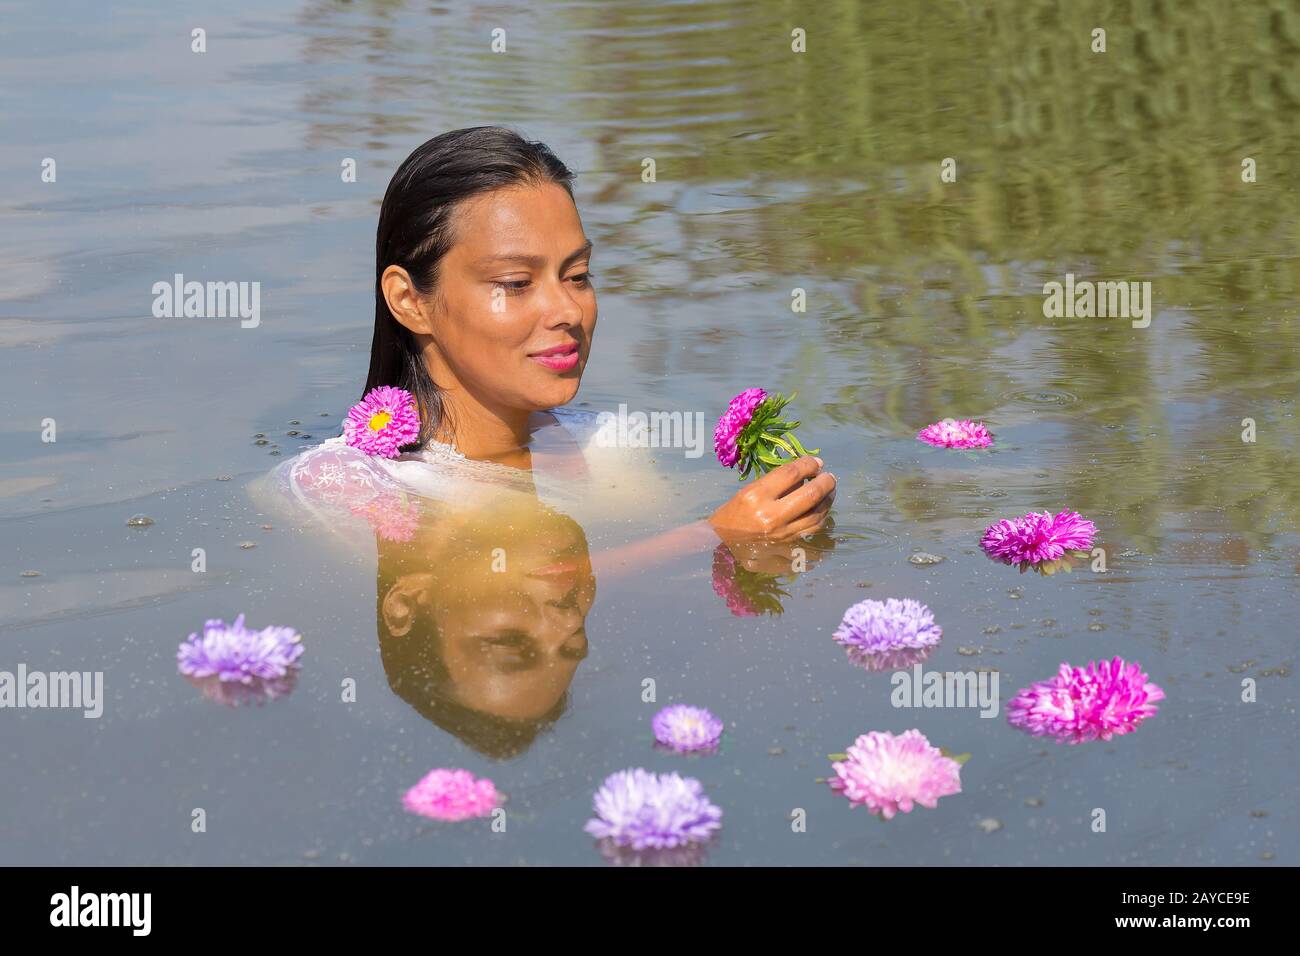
{"x": 787, "y": 502}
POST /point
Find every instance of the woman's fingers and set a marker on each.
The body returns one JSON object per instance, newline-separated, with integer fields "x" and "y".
{"x": 792, "y": 474}
{"x": 818, "y": 492}
{"x": 809, "y": 522}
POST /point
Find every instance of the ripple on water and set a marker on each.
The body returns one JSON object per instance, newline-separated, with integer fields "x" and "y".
{"x": 1040, "y": 397}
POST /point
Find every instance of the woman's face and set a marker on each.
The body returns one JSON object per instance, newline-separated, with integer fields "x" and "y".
{"x": 513, "y": 316}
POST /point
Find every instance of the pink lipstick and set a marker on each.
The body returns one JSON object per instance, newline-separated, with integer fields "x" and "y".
{"x": 559, "y": 358}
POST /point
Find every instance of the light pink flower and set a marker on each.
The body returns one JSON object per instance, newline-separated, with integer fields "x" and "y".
{"x": 886, "y": 774}
{"x": 1103, "y": 700}
{"x": 451, "y": 795}
{"x": 382, "y": 422}
{"x": 956, "y": 434}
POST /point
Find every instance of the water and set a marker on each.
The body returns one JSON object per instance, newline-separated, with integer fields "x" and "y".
{"x": 775, "y": 172}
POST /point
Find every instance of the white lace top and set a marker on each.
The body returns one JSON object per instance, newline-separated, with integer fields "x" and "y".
{"x": 573, "y": 471}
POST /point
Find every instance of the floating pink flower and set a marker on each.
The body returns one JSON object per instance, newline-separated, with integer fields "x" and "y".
{"x": 1037, "y": 537}
{"x": 382, "y": 422}
{"x": 685, "y": 729}
{"x": 752, "y": 434}
{"x": 451, "y": 795}
{"x": 1103, "y": 700}
{"x": 956, "y": 434}
{"x": 886, "y": 774}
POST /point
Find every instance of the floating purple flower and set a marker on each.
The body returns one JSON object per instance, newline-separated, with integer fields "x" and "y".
{"x": 1103, "y": 700}
{"x": 956, "y": 434}
{"x": 751, "y": 433}
{"x": 646, "y": 811}
{"x": 235, "y": 653}
{"x": 886, "y": 774}
{"x": 382, "y": 422}
{"x": 444, "y": 794}
{"x": 879, "y": 626}
{"x": 1037, "y": 537}
{"x": 684, "y": 729}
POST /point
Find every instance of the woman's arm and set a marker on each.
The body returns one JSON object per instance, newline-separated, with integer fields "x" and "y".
{"x": 786, "y": 503}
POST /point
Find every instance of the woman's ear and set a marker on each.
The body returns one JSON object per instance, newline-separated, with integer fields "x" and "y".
{"x": 401, "y": 605}
{"x": 404, "y": 300}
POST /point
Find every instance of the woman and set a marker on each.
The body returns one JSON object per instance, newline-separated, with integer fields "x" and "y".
{"x": 485, "y": 311}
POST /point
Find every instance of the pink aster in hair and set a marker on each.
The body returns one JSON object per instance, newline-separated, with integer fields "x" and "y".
{"x": 451, "y": 795}
{"x": 1100, "y": 701}
{"x": 382, "y": 422}
{"x": 1037, "y": 537}
{"x": 886, "y": 774}
{"x": 752, "y": 434}
{"x": 685, "y": 729}
{"x": 956, "y": 434}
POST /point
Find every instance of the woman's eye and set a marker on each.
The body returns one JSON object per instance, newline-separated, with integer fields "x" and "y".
{"x": 513, "y": 287}
{"x": 583, "y": 279}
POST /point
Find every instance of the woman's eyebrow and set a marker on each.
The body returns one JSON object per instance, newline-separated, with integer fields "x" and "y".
{"x": 536, "y": 261}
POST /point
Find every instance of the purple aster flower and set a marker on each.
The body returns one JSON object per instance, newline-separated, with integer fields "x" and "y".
{"x": 444, "y": 794}
{"x": 956, "y": 434}
{"x": 875, "y": 626}
{"x": 646, "y": 811}
{"x": 235, "y": 653}
{"x": 1037, "y": 537}
{"x": 683, "y": 728}
{"x": 1103, "y": 700}
{"x": 739, "y": 413}
{"x": 382, "y": 422}
{"x": 886, "y": 774}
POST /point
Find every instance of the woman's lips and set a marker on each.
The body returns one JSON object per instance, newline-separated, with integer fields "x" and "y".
{"x": 561, "y": 358}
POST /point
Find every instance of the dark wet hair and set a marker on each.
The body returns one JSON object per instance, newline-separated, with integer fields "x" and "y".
{"x": 416, "y": 230}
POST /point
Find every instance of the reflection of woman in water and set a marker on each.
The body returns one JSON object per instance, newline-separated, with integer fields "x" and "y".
{"x": 481, "y": 619}
{"x": 485, "y": 311}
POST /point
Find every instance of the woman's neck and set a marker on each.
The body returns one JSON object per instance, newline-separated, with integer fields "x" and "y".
{"x": 483, "y": 434}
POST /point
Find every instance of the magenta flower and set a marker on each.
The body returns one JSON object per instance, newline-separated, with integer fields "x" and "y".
{"x": 444, "y": 794}
{"x": 752, "y": 434}
{"x": 646, "y": 811}
{"x": 887, "y": 774}
{"x": 956, "y": 434}
{"x": 382, "y": 422}
{"x": 892, "y": 625}
{"x": 1037, "y": 537}
{"x": 684, "y": 729}
{"x": 1103, "y": 700}
{"x": 236, "y": 653}
{"x": 739, "y": 413}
